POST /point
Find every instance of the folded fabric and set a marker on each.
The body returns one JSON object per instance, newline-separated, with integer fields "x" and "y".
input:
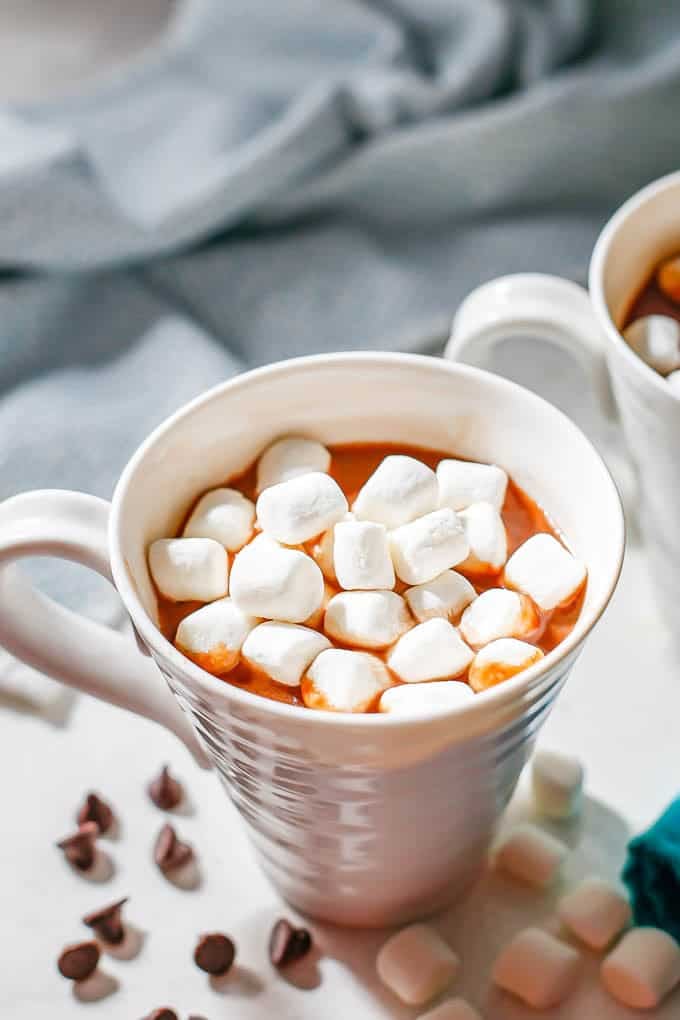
{"x": 652, "y": 873}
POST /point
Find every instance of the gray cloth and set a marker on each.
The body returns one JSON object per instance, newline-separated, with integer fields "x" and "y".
{"x": 271, "y": 179}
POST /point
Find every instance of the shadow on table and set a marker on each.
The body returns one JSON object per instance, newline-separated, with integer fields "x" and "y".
{"x": 491, "y": 912}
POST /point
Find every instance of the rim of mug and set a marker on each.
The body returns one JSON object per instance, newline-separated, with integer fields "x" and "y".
{"x": 494, "y": 698}
{"x": 596, "y": 273}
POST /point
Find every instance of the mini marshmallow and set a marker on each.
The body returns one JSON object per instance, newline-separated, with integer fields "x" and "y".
{"x": 361, "y": 555}
{"x": 463, "y": 482}
{"x": 595, "y": 912}
{"x": 655, "y": 339}
{"x": 368, "y": 619}
{"x": 315, "y": 621}
{"x": 537, "y": 968}
{"x": 399, "y": 490}
{"x": 270, "y": 581}
{"x": 530, "y": 855}
{"x": 499, "y": 660}
{"x": 485, "y": 532}
{"x": 423, "y": 699}
{"x": 543, "y": 569}
{"x": 446, "y": 595}
{"x": 188, "y": 569}
{"x": 427, "y": 546}
{"x": 225, "y": 515}
{"x": 668, "y": 278}
{"x": 416, "y": 964}
{"x": 289, "y": 458}
{"x": 212, "y": 636}
{"x": 452, "y": 1009}
{"x": 643, "y": 968}
{"x": 498, "y": 613}
{"x": 283, "y": 650}
{"x": 343, "y": 681}
{"x": 557, "y": 784}
{"x": 673, "y": 381}
{"x": 432, "y": 650}
{"x": 297, "y": 510}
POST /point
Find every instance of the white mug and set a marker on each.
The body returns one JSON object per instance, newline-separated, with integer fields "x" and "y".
{"x": 645, "y": 230}
{"x": 358, "y": 819}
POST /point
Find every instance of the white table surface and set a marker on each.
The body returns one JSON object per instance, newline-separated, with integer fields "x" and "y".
{"x": 619, "y": 712}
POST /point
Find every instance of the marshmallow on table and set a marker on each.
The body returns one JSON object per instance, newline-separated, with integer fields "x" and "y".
{"x": 498, "y": 613}
{"x": 500, "y": 660}
{"x": 288, "y": 458}
{"x": 655, "y": 339}
{"x": 361, "y": 555}
{"x": 212, "y": 636}
{"x": 530, "y": 855}
{"x": 463, "y": 482}
{"x": 595, "y": 912}
{"x": 367, "y": 619}
{"x": 297, "y": 510}
{"x": 399, "y": 490}
{"x": 485, "y": 532}
{"x": 537, "y": 968}
{"x": 189, "y": 569}
{"x": 446, "y": 595}
{"x": 557, "y": 784}
{"x": 543, "y": 569}
{"x": 283, "y": 650}
{"x": 422, "y": 699}
{"x": 268, "y": 580}
{"x": 643, "y": 968}
{"x": 426, "y": 547}
{"x": 452, "y": 1009}
{"x": 344, "y": 681}
{"x": 416, "y": 964}
{"x": 225, "y": 515}
{"x": 432, "y": 650}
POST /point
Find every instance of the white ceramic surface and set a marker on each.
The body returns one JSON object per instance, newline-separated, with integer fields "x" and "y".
{"x": 645, "y": 230}
{"x": 363, "y": 820}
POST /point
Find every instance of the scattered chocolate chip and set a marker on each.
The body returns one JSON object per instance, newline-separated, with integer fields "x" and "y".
{"x": 170, "y": 852}
{"x": 96, "y": 810}
{"x": 79, "y": 848}
{"x": 78, "y": 961}
{"x": 107, "y": 923}
{"x": 287, "y": 943}
{"x": 166, "y": 792}
{"x": 164, "y": 1013}
{"x": 214, "y": 953}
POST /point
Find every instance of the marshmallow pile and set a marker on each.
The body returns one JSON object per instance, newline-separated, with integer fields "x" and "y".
{"x": 542, "y": 968}
{"x": 351, "y": 603}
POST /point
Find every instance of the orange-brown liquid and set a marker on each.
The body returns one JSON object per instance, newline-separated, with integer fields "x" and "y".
{"x": 650, "y": 300}
{"x": 351, "y": 465}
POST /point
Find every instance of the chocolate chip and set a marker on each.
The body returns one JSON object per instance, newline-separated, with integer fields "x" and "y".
{"x": 79, "y": 848}
{"x": 166, "y": 792}
{"x": 170, "y": 852}
{"x": 214, "y": 953}
{"x": 96, "y": 810}
{"x": 164, "y": 1013}
{"x": 77, "y": 962}
{"x": 287, "y": 943}
{"x": 107, "y": 923}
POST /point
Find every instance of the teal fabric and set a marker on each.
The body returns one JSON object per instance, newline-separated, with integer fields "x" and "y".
{"x": 652, "y": 873}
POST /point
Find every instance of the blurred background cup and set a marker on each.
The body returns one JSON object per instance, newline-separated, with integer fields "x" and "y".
{"x": 645, "y": 230}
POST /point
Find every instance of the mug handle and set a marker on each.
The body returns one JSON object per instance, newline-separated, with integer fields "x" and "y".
{"x": 532, "y": 304}
{"x": 63, "y": 644}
